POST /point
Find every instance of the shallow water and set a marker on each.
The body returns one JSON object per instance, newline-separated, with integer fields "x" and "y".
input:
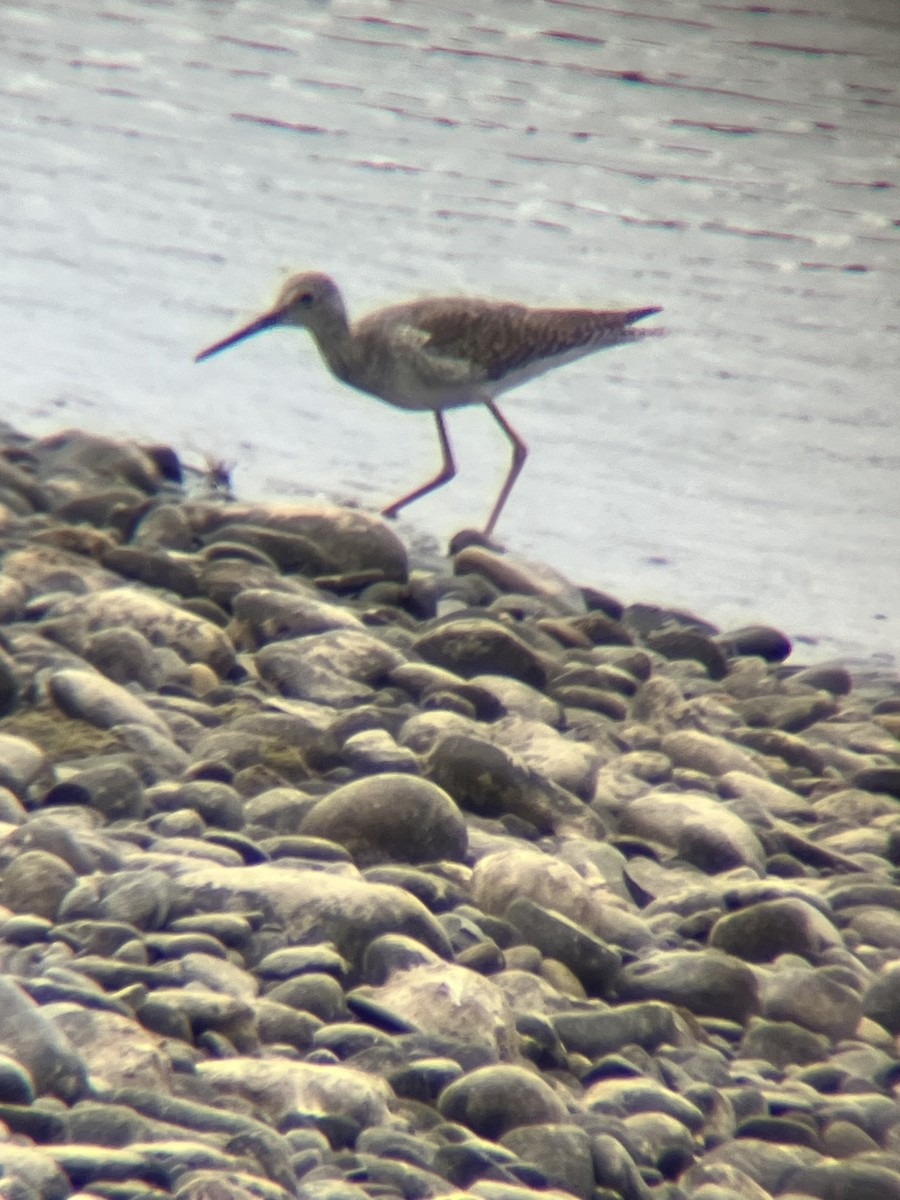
{"x": 164, "y": 163}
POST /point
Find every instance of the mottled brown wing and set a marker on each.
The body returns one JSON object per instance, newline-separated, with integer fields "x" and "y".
{"x": 498, "y": 339}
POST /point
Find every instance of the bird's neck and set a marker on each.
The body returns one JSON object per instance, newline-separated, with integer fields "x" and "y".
{"x": 334, "y": 338}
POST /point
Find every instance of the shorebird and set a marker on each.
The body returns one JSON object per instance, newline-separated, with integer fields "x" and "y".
{"x": 434, "y": 354}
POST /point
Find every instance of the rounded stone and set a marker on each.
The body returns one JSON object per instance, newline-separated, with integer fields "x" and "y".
{"x": 447, "y": 1000}
{"x": 558, "y": 938}
{"x": 16, "y": 1085}
{"x": 712, "y": 755}
{"x": 122, "y": 655}
{"x": 393, "y": 952}
{"x": 138, "y": 897}
{"x": 348, "y": 539}
{"x": 642, "y": 1095}
{"x": 36, "y": 882}
{"x": 783, "y": 1043}
{"x": 9, "y": 685}
{"x": 703, "y": 830}
{"x": 113, "y": 789}
{"x": 690, "y": 643}
{"x": 499, "y": 879}
{"x": 599, "y": 1031}
{"x": 563, "y": 1153}
{"x": 706, "y": 982}
{"x": 389, "y": 817}
{"x": 487, "y": 781}
{"x": 881, "y": 1001}
{"x": 92, "y": 697}
{"x": 21, "y": 763}
{"x": 761, "y": 932}
{"x": 814, "y": 1000}
{"x": 31, "y": 1039}
{"x": 847, "y": 1181}
{"x": 495, "y": 1099}
{"x": 757, "y": 640}
{"x": 314, "y": 992}
{"x": 477, "y": 646}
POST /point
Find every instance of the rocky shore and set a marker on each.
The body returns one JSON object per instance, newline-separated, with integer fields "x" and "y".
{"x": 332, "y": 875}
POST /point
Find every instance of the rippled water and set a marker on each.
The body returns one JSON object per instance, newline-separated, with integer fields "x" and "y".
{"x": 163, "y": 163}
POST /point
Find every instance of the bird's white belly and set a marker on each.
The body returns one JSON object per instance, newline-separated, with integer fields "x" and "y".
{"x": 435, "y": 399}
{"x": 409, "y": 390}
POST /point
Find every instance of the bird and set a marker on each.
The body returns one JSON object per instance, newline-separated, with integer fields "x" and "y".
{"x": 438, "y": 353}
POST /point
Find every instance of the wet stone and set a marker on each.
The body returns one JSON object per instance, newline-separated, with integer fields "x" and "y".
{"x": 708, "y": 983}
{"x": 374, "y": 750}
{"x": 292, "y": 552}
{"x": 113, "y": 789}
{"x": 881, "y": 1000}
{"x": 562, "y": 1151}
{"x": 757, "y": 640}
{"x": 99, "y": 701}
{"x": 814, "y": 1000}
{"x": 707, "y": 754}
{"x": 687, "y": 643}
{"x": 589, "y": 958}
{"x": 217, "y": 804}
{"x": 848, "y": 1181}
{"x": 782, "y": 1043}
{"x": 760, "y": 932}
{"x": 21, "y": 763}
{"x": 9, "y": 685}
{"x": 311, "y": 992}
{"x": 596, "y": 1033}
{"x": 36, "y": 882}
{"x": 16, "y": 1084}
{"x": 156, "y": 567}
{"x": 30, "y": 1039}
{"x": 487, "y": 781}
{"x": 495, "y": 1099}
{"x": 471, "y": 646}
{"x": 390, "y": 815}
{"x": 790, "y": 713}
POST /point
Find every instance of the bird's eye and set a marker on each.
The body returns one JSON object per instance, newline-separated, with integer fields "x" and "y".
{"x": 306, "y": 297}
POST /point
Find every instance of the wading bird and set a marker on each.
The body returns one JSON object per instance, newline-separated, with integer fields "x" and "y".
{"x": 434, "y": 354}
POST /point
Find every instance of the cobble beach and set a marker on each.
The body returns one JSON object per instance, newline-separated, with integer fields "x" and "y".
{"x": 329, "y": 871}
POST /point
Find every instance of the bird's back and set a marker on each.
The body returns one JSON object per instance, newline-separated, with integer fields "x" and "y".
{"x": 442, "y": 352}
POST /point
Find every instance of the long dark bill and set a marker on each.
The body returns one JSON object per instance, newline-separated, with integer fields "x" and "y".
{"x": 266, "y": 321}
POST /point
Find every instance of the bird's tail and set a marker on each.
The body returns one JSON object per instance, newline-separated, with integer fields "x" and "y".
{"x": 635, "y": 335}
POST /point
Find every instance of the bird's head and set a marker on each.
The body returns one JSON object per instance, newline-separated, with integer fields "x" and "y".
{"x": 309, "y": 300}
